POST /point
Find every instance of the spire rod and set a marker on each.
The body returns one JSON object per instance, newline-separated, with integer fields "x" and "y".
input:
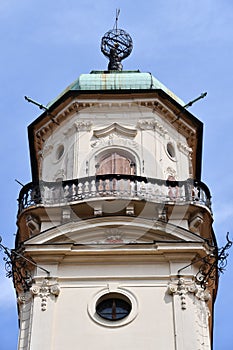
{"x": 117, "y": 17}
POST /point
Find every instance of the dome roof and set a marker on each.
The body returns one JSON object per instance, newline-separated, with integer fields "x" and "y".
{"x": 117, "y": 80}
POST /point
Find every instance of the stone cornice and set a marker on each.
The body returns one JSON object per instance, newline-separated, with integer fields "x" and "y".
{"x": 153, "y": 104}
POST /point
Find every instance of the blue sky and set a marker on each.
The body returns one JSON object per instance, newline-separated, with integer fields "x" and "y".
{"x": 186, "y": 44}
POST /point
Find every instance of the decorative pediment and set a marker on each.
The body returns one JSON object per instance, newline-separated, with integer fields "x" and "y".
{"x": 117, "y": 232}
{"x": 116, "y": 129}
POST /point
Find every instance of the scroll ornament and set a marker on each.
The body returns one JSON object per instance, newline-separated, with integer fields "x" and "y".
{"x": 44, "y": 290}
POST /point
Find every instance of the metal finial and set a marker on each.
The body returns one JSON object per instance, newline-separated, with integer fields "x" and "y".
{"x": 116, "y": 44}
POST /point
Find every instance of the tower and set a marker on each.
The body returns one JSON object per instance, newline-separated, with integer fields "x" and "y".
{"x": 116, "y": 225}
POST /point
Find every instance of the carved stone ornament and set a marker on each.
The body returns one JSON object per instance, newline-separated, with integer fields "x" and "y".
{"x": 182, "y": 287}
{"x": 115, "y": 129}
{"x": 83, "y": 125}
{"x": 114, "y": 140}
{"x": 184, "y": 148}
{"x": 171, "y": 172}
{"x": 24, "y": 298}
{"x": 60, "y": 174}
{"x": 151, "y": 124}
{"x": 46, "y": 151}
{"x": 44, "y": 290}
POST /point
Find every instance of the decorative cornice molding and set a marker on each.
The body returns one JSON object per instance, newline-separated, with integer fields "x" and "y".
{"x": 184, "y": 148}
{"x": 78, "y": 126}
{"x": 46, "y": 151}
{"x": 182, "y": 287}
{"x": 83, "y": 125}
{"x": 115, "y": 129}
{"x": 152, "y": 124}
{"x": 44, "y": 290}
{"x": 114, "y": 140}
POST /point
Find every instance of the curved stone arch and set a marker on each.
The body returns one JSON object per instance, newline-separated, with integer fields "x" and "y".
{"x": 126, "y": 152}
{"x": 99, "y": 229}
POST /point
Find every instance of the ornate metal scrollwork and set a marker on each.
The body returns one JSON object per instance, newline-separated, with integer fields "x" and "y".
{"x": 213, "y": 264}
{"x": 18, "y": 267}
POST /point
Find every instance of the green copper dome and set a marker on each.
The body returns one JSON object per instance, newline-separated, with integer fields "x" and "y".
{"x": 117, "y": 80}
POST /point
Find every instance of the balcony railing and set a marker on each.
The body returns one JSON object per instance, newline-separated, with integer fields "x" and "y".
{"x": 117, "y": 186}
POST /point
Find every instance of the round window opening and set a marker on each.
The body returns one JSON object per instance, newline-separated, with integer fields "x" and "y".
{"x": 171, "y": 150}
{"x": 59, "y": 152}
{"x": 113, "y": 307}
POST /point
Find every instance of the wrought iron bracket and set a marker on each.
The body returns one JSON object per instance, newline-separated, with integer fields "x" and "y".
{"x": 19, "y": 267}
{"x": 211, "y": 265}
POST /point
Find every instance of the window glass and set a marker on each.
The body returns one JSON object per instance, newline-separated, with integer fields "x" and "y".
{"x": 113, "y": 307}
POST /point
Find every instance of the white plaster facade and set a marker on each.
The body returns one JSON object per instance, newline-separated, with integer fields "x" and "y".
{"x": 137, "y": 237}
{"x": 148, "y": 144}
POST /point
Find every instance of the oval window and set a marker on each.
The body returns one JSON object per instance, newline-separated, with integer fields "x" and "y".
{"x": 59, "y": 152}
{"x": 171, "y": 150}
{"x": 113, "y": 306}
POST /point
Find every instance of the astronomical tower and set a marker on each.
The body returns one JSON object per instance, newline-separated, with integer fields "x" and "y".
{"x": 115, "y": 230}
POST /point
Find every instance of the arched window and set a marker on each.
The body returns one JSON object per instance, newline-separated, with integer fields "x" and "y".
{"x": 115, "y": 163}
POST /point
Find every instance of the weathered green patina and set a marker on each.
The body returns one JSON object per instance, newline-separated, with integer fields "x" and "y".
{"x": 117, "y": 80}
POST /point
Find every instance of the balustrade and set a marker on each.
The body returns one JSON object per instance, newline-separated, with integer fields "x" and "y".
{"x": 117, "y": 186}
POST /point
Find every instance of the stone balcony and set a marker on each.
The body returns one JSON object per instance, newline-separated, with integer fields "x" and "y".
{"x": 114, "y": 186}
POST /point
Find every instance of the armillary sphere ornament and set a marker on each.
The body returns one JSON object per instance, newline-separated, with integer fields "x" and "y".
{"x": 116, "y": 44}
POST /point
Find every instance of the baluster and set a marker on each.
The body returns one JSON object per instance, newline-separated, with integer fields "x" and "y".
{"x": 155, "y": 191}
{"x": 111, "y": 186}
{"x": 66, "y": 191}
{"x": 128, "y": 188}
{"x": 125, "y": 187}
{"x": 49, "y": 194}
{"x": 173, "y": 193}
{"x": 202, "y": 196}
{"x": 117, "y": 187}
{"x": 143, "y": 189}
{"x": 181, "y": 193}
{"x": 86, "y": 189}
{"x": 195, "y": 194}
{"x": 121, "y": 186}
{"x": 26, "y": 201}
{"x": 80, "y": 191}
{"x": 164, "y": 192}
{"x": 149, "y": 190}
{"x": 44, "y": 194}
{"x": 138, "y": 188}
{"x": 100, "y": 187}
{"x": 188, "y": 191}
{"x": 57, "y": 194}
{"x": 93, "y": 188}
{"x": 73, "y": 191}
{"x": 60, "y": 193}
{"x": 132, "y": 188}
{"x": 106, "y": 187}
